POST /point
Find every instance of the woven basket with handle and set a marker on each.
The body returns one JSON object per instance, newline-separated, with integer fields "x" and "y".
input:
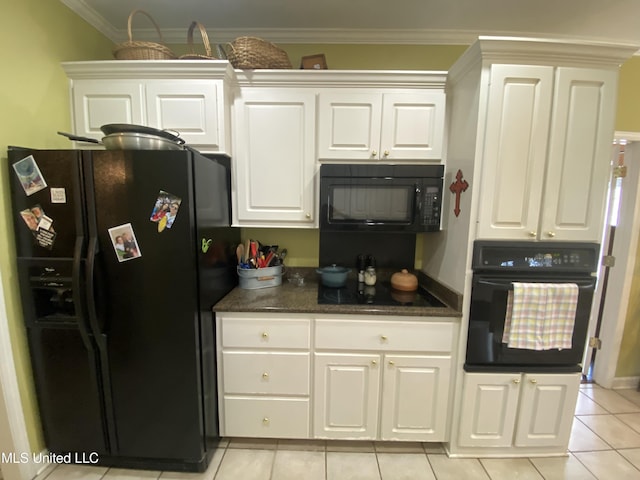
{"x": 253, "y": 52}
{"x": 205, "y": 40}
{"x": 137, "y": 50}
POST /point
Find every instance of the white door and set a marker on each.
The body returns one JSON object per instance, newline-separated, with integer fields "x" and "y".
{"x": 100, "y": 102}
{"x": 346, "y": 395}
{"x": 547, "y": 406}
{"x": 513, "y": 162}
{"x": 578, "y": 165}
{"x": 275, "y": 159}
{"x": 621, "y": 286}
{"x": 489, "y": 407}
{"x": 415, "y": 393}
{"x": 349, "y": 125}
{"x": 189, "y": 107}
{"x": 412, "y": 126}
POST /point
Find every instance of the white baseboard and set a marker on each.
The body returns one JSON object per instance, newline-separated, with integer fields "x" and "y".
{"x": 625, "y": 382}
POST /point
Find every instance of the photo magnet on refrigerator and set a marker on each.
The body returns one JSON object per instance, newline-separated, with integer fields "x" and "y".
{"x": 124, "y": 242}
{"x": 40, "y": 225}
{"x": 29, "y": 175}
{"x": 165, "y": 210}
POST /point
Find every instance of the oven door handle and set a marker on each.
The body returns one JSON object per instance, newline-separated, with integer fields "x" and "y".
{"x": 509, "y": 283}
{"x": 499, "y": 283}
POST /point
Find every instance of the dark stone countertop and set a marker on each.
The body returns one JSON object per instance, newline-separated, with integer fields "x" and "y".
{"x": 291, "y": 298}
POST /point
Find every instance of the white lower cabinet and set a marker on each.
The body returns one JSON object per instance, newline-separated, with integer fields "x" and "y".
{"x": 264, "y": 376}
{"x": 347, "y": 392}
{"x": 360, "y": 377}
{"x": 415, "y": 397}
{"x": 517, "y": 410}
{"x": 397, "y": 390}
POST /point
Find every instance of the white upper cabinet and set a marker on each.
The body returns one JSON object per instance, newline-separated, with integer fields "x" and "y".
{"x": 360, "y": 125}
{"x": 274, "y": 164}
{"x": 545, "y": 166}
{"x": 190, "y": 107}
{"x": 191, "y": 99}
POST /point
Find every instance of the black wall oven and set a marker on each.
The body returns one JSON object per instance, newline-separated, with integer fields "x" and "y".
{"x": 496, "y": 266}
{"x": 380, "y": 198}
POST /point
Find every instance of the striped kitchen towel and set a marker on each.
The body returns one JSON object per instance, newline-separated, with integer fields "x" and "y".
{"x": 540, "y": 316}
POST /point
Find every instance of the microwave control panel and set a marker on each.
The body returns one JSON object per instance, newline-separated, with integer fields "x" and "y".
{"x": 429, "y": 198}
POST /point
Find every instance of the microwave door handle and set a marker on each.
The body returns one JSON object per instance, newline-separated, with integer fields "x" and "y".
{"x": 418, "y": 202}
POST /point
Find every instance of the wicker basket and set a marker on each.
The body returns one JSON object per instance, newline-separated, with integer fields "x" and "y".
{"x": 252, "y": 52}
{"x": 205, "y": 40}
{"x": 135, "y": 50}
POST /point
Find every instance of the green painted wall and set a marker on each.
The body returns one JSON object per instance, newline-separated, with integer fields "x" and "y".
{"x": 34, "y": 103}
{"x": 629, "y": 358}
{"x": 628, "y": 113}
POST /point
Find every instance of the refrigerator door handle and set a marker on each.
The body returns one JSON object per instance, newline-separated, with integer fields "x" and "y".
{"x": 94, "y": 321}
{"x": 78, "y": 300}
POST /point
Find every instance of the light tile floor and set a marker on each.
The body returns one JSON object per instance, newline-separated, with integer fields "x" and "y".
{"x": 605, "y": 445}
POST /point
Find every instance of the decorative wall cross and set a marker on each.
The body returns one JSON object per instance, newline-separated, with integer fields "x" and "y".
{"x": 458, "y": 187}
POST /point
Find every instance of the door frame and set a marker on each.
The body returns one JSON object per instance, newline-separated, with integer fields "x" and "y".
{"x": 620, "y": 277}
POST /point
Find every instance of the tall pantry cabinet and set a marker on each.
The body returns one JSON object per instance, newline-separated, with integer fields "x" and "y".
{"x": 536, "y": 155}
{"x": 545, "y": 126}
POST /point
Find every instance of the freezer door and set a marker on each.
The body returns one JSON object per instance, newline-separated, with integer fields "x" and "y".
{"x": 46, "y": 182}
{"x": 146, "y": 318}
{"x": 66, "y": 382}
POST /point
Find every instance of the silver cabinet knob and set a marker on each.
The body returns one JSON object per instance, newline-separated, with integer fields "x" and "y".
{"x": 551, "y": 234}
{"x": 516, "y": 381}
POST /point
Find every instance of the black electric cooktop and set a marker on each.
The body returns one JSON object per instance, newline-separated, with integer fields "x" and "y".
{"x": 379, "y": 294}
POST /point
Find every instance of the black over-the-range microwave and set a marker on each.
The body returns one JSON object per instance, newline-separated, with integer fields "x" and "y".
{"x": 380, "y": 198}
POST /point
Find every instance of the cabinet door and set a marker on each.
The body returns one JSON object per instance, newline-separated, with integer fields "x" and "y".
{"x": 349, "y": 125}
{"x": 193, "y": 108}
{"x": 547, "y": 405}
{"x": 346, "y": 396}
{"x": 578, "y": 170}
{"x": 275, "y": 159}
{"x": 515, "y": 149}
{"x": 412, "y": 126}
{"x": 489, "y": 405}
{"x": 415, "y": 395}
{"x": 99, "y": 102}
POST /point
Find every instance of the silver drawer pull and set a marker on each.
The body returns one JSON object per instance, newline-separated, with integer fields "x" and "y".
{"x": 265, "y": 375}
{"x": 266, "y": 421}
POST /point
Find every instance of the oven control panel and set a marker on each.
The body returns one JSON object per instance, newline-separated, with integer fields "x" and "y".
{"x": 530, "y": 256}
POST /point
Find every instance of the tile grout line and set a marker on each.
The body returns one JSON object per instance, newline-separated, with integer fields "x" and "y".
{"x": 224, "y": 454}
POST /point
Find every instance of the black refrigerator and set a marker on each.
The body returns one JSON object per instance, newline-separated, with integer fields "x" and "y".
{"x": 121, "y": 255}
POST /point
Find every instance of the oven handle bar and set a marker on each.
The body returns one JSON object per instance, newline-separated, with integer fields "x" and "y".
{"x": 509, "y": 283}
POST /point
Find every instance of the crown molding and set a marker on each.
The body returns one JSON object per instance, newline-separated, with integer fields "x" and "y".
{"x": 317, "y": 35}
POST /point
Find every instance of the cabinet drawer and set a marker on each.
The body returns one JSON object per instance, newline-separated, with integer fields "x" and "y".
{"x": 384, "y": 335}
{"x": 266, "y": 417}
{"x": 266, "y": 372}
{"x": 265, "y": 333}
